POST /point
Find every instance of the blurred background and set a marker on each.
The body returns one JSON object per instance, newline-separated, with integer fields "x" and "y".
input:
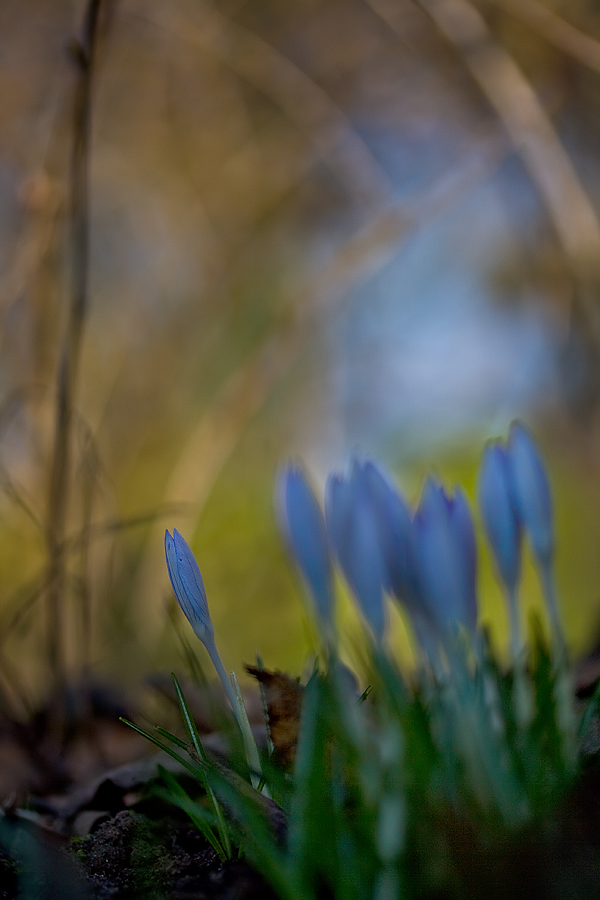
{"x": 315, "y": 228}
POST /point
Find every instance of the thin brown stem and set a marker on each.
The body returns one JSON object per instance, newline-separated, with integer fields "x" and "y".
{"x": 556, "y": 30}
{"x": 83, "y": 53}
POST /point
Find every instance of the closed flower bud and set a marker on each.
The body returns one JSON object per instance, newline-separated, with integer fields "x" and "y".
{"x": 397, "y": 535}
{"x": 355, "y": 535}
{"x": 304, "y": 528}
{"x": 447, "y": 557}
{"x": 499, "y": 512}
{"x": 188, "y": 585}
{"x": 532, "y": 492}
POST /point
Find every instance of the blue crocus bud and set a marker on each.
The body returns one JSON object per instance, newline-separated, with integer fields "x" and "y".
{"x": 534, "y": 504}
{"x": 532, "y": 492}
{"x": 498, "y": 506}
{"x": 355, "y": 535}
{"x": 398, "y": 541}
{"x": 189, "y": 589}
{"x": 188, "y": 586}
{"x": 397, "y": 535}
{"x": 447, "y": 557}
{"x": 304, "y": 528}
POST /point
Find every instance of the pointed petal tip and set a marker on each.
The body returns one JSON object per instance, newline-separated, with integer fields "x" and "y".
{"x": 303, "y": 525}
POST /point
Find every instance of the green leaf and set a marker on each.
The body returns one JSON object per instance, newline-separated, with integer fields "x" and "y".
{"x": 194, "y": 736}
{"x": 194, "y": 770}
{"x": 188, "y": 720}
{"x": 171, "y": 737}
{"x": 178, "y": 796}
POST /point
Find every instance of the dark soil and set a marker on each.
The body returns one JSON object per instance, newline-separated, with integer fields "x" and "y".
{"x": 8, "y": 876}
{"x": 132, "y": 856}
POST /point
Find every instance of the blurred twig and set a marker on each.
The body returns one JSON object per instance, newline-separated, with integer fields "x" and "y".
{"x": 556, "y": 31}
{"x": 90, "y": 465}
{"x": 18, "y": 496}
{"x": 532, "y": 133}
{"x": 27, "y": 596}
{"x": 83, "y": 54}
{"x": 302, "y": 100}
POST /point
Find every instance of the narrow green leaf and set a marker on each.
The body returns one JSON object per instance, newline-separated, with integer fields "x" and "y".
{"x": 194, "y": 736}
{"x": 171, "y": 737}
{"x": 197, "y": 773}
{"x": 259, "y": 842}
{"x": 178, "y": 796}
{"x": 188, "y": 719}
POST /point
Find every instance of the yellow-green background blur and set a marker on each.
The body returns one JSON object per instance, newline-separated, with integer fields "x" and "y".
{"x": 318, "y": 227}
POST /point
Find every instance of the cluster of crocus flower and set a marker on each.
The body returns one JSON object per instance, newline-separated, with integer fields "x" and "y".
{"x": 423, "y": 558}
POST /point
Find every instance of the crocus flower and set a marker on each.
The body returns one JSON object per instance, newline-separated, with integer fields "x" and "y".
{"x": 189, "y": 589}
{"x": 532, "y": 492}
{"x": 398, "y": 542}
{"x": 304, "y": 528}
{"x": 447, "y": 559}
{"x": 188, "y": 585}
{"x": 534, "y": 504}
{"x": 355, "y": 535}
{"x": 396, "y": 532}
{"x": 499, "y": 511}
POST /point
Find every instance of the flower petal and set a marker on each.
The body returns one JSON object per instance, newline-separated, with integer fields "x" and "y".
{"x": 498, "y": 507}
{"x": 355, "y": 535}
{"x": 187, "y": 583}
{"x": 447, "y": 557}
{"x": 304, "y": 528}
{"x": 532, "y": 491}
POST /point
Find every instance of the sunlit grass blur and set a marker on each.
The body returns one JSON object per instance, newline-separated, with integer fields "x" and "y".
{"x": 315, "y": 227}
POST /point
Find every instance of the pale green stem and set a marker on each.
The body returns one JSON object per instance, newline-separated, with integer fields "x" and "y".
{"x": 516, "y": 639}
{"x": 239, "y": 710}
{"x": 428, "y": 644}
{"x": 250, "y": 747}
{"x": 563, "y": 689}
{"x": 522, "y": 694}
{"x": 565, "y": 711}
{"x": 211, "y": 647}
{"x": 549, "y": 589}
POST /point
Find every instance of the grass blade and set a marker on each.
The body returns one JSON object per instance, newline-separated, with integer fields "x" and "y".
{"x": 194, "y": 770}
{"x": 178, "y": 796}
{"x": 188, "y": 720}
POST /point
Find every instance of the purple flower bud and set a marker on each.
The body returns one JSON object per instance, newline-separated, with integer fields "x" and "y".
{"x": 355, "y": 535}
{"x": 498, "y": 506}
{"x": 304, "y": 528}
{"x": 188, "y": 585}
{"x": 447, "y": 557}
{"x": 397, "y": 535}
{"x": 532, "y": 492}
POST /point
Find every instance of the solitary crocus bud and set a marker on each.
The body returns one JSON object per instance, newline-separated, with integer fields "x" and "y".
{"x": 355, "y": 535}
{"x": 189, "y": 589}
{"x": 188, "y": 585}
{"x": 304, "y": 528}
{"x": 532, "y": 492}
{"x": 447, "y": 557}
{"x": 499, "y": 512}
